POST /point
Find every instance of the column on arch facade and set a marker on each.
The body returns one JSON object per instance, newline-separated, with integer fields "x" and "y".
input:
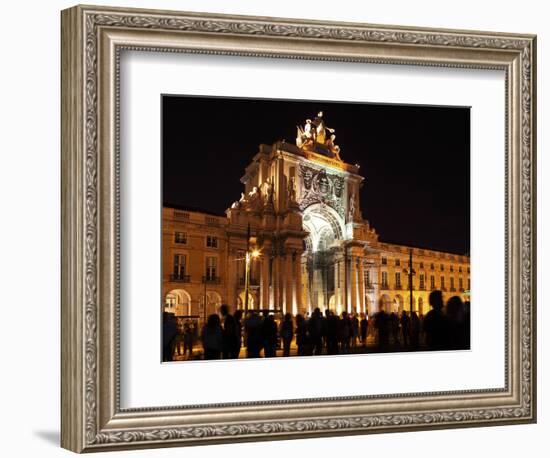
{"x": 347, "y": 282}
{"x": 306, "y": 293}
{"x": 265, "y": 301}
{"x": 276, "y": 282}
{"x": 231, "y": 279}
{"x": 281, "y": 282}
{"x": 356, "y": 287}
{"x": 288, "y": 282}
{"x": 297, "y": 301}
{"x": 353, "y": 283}
{"x": 337, "y": 286}
{"x": 361, "y": 273}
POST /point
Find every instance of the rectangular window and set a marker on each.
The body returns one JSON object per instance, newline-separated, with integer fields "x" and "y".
{"x": 442, "y": 282}
{"x": 398, "y": 279}
{"x": 452, "y": 280}
{"x": 367, "y": 277}
{"x": 421, "y": 265}
{"x": 211, "y": 221}
{"x": 468, "y": 284}
{"x": 442, "y": 267}
{"x": 384, "y": 279}
{"x": 432, "y": 266}
{"x": 384, "y": 260}
{"x": 180, "y": 237}
{"x": 292, "y": 172}
{"x": 460, "y": 268}
{"x": 460, "y": 285}
{"x": 421, "y": 281}
{"x": 211, "y": 267}
{"x": 451, "y": 269}
{"x": 211, "y": 241}
{"x": 432, "y": 282}
{"x": 180, "y": 261}
{"x": 397, "y": 262}
{"x": 179, "y": 215}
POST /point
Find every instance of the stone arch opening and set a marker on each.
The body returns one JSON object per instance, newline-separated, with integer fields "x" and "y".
{"x": 385, "y": 303}
{"x": 334, "y": 305}
{"x": 213, "y": 302}
{"x": 324, "y": 225}
{"x": 368, "y": 309}
{"x": 178, "y": 302}
{"x": 397, "y": 304}
{"x": 421, "y": 306}
{"x": 325, "y": 229}
{"x": 241, "y": 301}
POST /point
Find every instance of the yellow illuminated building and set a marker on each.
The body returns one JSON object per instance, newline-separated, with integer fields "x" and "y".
{"x": 300, "y": 215}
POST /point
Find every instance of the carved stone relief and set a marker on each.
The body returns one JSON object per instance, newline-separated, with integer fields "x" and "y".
{"x": 321, "y": 187}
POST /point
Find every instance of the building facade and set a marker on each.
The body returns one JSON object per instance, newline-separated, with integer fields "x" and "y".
{"x": 308, "y": 245}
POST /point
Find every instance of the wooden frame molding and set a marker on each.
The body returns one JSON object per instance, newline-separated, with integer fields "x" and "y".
{"x": 92, "y": 39}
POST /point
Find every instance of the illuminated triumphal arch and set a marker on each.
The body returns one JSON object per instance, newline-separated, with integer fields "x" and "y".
{"x": 301, "y": 203}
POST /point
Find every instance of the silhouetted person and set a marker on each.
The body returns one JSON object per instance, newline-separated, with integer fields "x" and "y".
{"x": 315, "y": 331}
{"x": 253, "y": 333}
{"x": 394, "y": 327}
{"x": 354, "y": 322}
{"x": 287, "y": 333}
{"x": 269, "y": 334}
{"x": 422, "y": 333}
{"x": 188, "y": 341}
{"x": 332, "y": 321}
{"x": 456, "y": 323}
{"x": 169, "y": 332}
{"x": 301, "y": 335}
{"x": 364, "y": 327}
{"x": 324, "y": 327}
{"x": 179, "y": 346}
{"x": 415, "y": 331}
{"x": 435, "y": 323}
{"x": 467, "y": 323}
{"x": 230, "y": 333}
{"x": 212, "y": 340}
{"x": 238, "y": 324}
{"x": 371, "y": 329}
{"x": 344, "y": 332}
{"x": 382, "y": 325}
{"x": 195, "y": 332}
{"x": 405, "y": 328}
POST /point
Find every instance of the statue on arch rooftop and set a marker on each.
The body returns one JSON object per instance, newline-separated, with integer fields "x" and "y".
{"x": 316, "y": 136}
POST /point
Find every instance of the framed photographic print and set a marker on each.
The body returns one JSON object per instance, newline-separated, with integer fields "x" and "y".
{"x": 309, "y": 228}
{"x": 291, "y": 267}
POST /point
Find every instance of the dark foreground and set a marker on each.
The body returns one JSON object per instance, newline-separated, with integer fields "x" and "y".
{"x": 261, "y": 334}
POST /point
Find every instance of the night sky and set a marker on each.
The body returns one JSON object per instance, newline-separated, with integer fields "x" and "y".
{"x": 415, "y": 159}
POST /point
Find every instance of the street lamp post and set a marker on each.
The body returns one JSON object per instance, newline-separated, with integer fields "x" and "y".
{"x": 204, "y": 301}
{"x": 246, "y": 279}
{"x": 410, "y": 272}
{"x": 249, "y": 255}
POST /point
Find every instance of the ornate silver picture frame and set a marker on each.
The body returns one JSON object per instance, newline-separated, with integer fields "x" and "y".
{"x": 92, "y": 41}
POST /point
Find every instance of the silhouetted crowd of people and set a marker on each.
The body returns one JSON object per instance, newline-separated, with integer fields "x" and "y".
{"x": 444, "y": 327}
{"x": 223, "y": 336}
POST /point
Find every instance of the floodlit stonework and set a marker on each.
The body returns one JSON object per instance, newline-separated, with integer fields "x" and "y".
{"x": 308, "y": 243}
